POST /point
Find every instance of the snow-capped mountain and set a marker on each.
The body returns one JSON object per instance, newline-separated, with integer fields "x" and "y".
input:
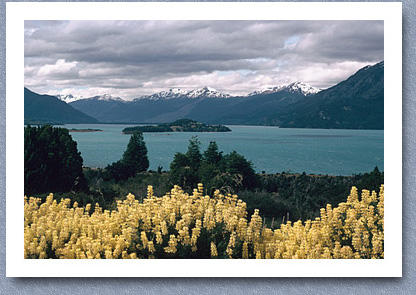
{"x": 106, "y": 97}
{"x": 266, "y": 90}
{"x": 171, "y": 93}
{"x": 296, "y": 105}
{"x": 68, "y": 97}
{"x": 179, "y": 93}
{"x": 302, "y": 88}
{"x": 295, "y": 87}
{"x": 207, "y": 92}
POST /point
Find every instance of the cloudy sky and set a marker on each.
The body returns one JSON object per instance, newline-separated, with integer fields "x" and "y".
{"x": 134, "y": 58}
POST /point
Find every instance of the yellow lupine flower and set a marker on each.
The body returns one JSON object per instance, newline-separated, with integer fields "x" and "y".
{"x": 214, "y": 252}
{"x": 354, "y": 229}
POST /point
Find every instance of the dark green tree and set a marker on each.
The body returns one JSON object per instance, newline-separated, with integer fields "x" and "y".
{"x": 215, "y": 171}
{"x": 118, "y": 171}
{"x": 371, "y": 181}
{"x": 134, "y": 160}
{"x": 52, "y": 161}
{"x": 184, "y": 168}
{"x": 180, "y": 170}
{"x": 211, "y": 155}
{"x": 211, "y": 166}
{"x": 236, "y": 164}
{"x": 194, "y": 153}
{"x": 135, "y": 155}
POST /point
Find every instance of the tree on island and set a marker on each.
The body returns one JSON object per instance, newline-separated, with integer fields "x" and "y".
{"x": 52, "y": 161}
{"x": 134, "y": 160}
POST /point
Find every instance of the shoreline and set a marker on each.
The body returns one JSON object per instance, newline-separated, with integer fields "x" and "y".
{"x": 287, "y": 174}
{"x": 84, "y": 130}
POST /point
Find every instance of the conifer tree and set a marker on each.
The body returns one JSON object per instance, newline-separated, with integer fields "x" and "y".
{"x": 135, "y": 155}
{"x": 52, "y": 161}
{"x": 134, "y": 160}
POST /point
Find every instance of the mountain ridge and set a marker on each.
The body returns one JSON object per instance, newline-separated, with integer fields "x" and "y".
{"x": 355, "y": 103}
{"x": 47, "y": 109}
{"x": 206, "y": 92}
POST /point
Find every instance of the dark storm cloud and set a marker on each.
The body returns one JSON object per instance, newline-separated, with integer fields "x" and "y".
{"x": 131, "y": 58}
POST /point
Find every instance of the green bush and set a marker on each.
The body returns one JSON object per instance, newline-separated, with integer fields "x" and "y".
{"x": 52, "y": 161}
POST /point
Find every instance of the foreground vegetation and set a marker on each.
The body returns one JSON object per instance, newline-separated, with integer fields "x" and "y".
{"x": 181, "y": 225}
{"x": 279, "y": 197}
{"x": 52, "y": 161}
{"x": 89, "y": 216}
{"x": 53, "y": 164}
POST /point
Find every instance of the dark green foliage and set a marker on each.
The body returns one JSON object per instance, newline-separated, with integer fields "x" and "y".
{"x": 211, "y": 155}
{"x": 180, "y": 171}
{"x": 211, "y": 165}
{"x": 215, "y": 171}
{"x": 193, "y": 154}
{"x": 52, "y": 161}
{"x": 150, "y": 128}
{"x": 110, "y": 190}
{"x": 371, "y": 181}
{"x": 184, "y": 168}
{"x": 238, "y": 165}
{"x": 280, "y": 196}
{"x": 118, "y": 171}
{"x": 219, "y": 235}
{"x": 134, "y": 160}
{"x": 136, "y": 154}
{"x": 301, "y": 196}
{"x": 181, "y": 125}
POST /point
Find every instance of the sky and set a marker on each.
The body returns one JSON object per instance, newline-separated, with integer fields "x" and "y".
{"x": 134, "y": 58}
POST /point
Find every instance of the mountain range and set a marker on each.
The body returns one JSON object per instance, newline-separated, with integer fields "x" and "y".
{"x": 356, "y": 103}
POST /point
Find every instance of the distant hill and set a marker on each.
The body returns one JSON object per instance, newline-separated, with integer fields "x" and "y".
{"x": 205, "y": 105}
{"x": 46, "y": 109}
{"x": 251, "y": 110}
{"x": 356, "y": 103}
{"x": 182, "y": 125}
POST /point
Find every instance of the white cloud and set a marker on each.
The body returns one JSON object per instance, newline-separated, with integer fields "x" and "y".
{"x": 61, "y": 66}
{"x": 134, "y": 58}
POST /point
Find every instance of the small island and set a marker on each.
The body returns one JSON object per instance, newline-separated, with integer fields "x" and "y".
{"x": 181, "y": 125}
{"x": 84, "y": 130}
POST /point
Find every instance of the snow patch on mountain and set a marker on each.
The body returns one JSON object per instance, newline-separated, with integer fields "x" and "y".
{"x": 302, "y": 88}
{"x": 106, "y": 97}
{"x": 266, "y": 90}
{"x": 68, "y": 97}
{"x": 295, "y": 87}
{"x": 171, "y": 93}
{"x": 207, "y": 92}
{"x": 179, "y": 93}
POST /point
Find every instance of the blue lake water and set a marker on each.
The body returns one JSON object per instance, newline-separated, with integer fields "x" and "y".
{"x": 271, "y": 149}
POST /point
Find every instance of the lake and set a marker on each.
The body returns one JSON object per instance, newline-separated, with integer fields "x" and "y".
{"x": 270, "y": 149}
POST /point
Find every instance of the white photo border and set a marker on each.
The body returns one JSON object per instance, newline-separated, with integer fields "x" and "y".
{"x": 17, "y": 13}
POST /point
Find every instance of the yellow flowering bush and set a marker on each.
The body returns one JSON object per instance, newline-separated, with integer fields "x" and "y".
{"x": 181, "y": 225}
